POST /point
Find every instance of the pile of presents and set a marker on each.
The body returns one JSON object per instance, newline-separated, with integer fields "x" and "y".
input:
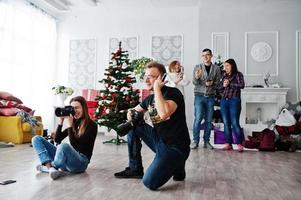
{"x": 283, "y": 135}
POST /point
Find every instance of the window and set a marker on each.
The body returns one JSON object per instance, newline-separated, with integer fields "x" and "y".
{"x": 28, "y": 55}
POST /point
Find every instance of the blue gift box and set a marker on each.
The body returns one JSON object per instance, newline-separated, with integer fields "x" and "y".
{"x": 219, "y": 136}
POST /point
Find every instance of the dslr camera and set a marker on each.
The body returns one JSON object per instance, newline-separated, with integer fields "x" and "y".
{"x": 137, "y": 119}
{"x": 64, "y": 111}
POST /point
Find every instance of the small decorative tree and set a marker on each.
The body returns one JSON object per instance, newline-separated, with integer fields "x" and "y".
{"x": 118, "y": 95}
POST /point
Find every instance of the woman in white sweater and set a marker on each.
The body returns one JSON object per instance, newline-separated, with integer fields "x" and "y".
{"x": 176, "y": 77}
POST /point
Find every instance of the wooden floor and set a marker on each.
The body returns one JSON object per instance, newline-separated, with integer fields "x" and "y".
{"x": 210, "y": 175}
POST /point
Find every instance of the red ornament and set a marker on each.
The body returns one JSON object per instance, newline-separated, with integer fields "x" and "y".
{"x": 113, "y": 95}
{"x": 127, "y": 99}
{"x": 128, "y": 80}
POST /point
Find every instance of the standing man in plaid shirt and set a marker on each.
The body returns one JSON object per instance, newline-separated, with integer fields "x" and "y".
{"x": 230, "y": 91}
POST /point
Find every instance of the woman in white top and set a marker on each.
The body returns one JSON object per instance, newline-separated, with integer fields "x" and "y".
{"x": 176, "y": 77}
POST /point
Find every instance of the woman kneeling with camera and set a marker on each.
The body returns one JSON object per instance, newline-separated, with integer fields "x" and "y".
{"x": 73, "y": 157}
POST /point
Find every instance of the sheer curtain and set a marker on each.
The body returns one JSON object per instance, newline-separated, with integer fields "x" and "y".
{"x": 27, "y": 56}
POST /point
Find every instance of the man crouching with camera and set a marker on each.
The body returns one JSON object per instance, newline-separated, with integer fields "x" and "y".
{"x": 73, "y": 157}
{"x": 166, "y": 133}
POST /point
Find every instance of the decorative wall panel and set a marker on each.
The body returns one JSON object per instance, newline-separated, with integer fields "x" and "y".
{"x": 165, "y": 49}
{"x": 261, "y": 53}
{"x": 82, "y": 64}
{"x": 220, "y": 45}
{"x": 298, "y": 64}
{"x": 129, "y": 44}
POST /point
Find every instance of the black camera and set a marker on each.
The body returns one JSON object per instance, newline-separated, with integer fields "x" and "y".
{"x": 64, "y": 111}
{"x": 124, "y": 128}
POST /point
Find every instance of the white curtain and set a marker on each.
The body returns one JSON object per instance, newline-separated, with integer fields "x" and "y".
{"x": 27, "y": 56}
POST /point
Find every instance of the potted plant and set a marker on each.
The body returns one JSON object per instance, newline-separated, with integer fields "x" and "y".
{"x": 138, "y": 66}
{"x": 62, "y": 93}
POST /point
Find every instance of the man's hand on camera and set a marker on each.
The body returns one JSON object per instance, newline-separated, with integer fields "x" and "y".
{"x": 129, "y": 114}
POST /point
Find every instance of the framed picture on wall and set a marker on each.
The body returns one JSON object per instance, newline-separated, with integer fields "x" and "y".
{"x": 129, "y": 44}
{"x": 261, "y": 53}
{"x": 82, "y": 64}
{"x": 165, "y": 49}
{"x": 220, "y": 46}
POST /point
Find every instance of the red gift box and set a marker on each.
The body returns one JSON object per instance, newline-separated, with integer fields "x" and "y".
{"x": 90, "y": 94}
{"x": 92, "y": 105}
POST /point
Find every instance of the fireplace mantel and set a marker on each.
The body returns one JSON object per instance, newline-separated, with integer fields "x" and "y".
{"x": 258, "y": 105}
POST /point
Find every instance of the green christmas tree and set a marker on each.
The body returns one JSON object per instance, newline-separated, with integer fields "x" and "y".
{"x": 118, "y": 95}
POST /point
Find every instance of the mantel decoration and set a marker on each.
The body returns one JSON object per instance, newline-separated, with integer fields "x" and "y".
{"x": 266, "y": 78}
{"x": 62, "y": 92}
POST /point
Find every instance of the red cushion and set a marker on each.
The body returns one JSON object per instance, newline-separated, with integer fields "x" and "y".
{"x": 25, "y": 108}
{"x": 7, "y": 104}
{"x": 10, "y": 97}
{"x": 8, "y": 111}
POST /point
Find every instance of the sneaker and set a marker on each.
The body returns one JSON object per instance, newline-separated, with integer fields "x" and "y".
{"x": 128, "y": 173}
{"x": 42, "y": 168}
{"x": 54, "y": 173}
{"x": 208, "y": 145}
{"x": 180, "y": 176}
{"x": 227, "y": 147}
{"x": 194, "y": 145}
{"x": 240, "y": 148}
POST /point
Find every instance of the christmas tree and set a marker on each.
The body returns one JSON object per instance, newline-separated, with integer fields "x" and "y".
{"x": 118, "y": 95}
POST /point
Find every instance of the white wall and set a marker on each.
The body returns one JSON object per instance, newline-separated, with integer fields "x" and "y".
{"x": 240, "y": 16}
{"x": 196, "y": 23}
{"x": 129, "y": 19}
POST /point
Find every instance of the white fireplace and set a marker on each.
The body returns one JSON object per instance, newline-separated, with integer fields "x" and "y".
{"x": 259, "y": 105}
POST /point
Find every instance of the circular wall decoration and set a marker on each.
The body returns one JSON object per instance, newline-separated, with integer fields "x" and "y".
{"x": 261, "y": 51}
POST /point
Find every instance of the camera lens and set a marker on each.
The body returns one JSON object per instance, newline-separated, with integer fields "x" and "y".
{"x": 65, "y": 111}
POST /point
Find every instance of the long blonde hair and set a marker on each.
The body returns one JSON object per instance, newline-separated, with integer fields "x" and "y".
{"x": 85, "y": 118}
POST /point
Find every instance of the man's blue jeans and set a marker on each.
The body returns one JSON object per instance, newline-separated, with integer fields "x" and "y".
{"x": 230, "y": 111}
{"x": 64, "y": 156}
{"x": 203, "y": 109}
{"x": 168, "y": 161}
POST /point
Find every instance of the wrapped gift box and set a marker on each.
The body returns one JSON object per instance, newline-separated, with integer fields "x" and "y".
{"x": 92, "y": 105}
{"x": 219, "y": 136}
{"x": 90, "y": 94}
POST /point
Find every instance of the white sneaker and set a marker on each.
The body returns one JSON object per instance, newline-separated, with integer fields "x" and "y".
{"x": 194, "y": 145}
{"x": 54, "y": 173}
{"x": 42, "y": 168}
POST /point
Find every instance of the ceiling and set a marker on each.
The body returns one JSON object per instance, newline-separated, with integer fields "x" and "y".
{"x": 57, "y": 7}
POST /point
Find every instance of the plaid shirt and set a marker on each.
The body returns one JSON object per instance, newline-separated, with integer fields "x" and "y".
{"x": 233, "y": 89}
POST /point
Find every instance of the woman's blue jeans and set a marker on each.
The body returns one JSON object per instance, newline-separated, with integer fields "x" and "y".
{"x": 230, "y": 111}
{"x": 168, "y": 161}
{"x": 203, "y": 109}
{"x": 64, "y": 156}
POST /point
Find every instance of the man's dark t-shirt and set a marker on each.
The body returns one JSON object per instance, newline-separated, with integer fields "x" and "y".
{"x": 173, "y": 130}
